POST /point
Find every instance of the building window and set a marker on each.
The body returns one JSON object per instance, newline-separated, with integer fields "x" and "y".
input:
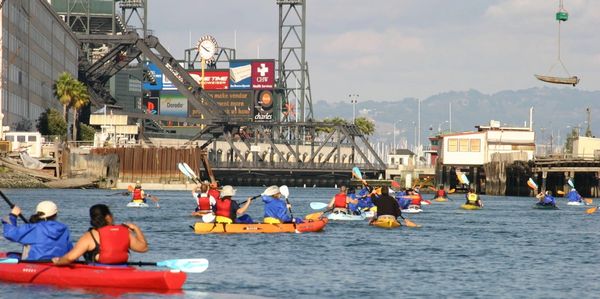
{"x": 401, "y": 161}
{"x": 475, "y": 145}
{"x": 393, "y": 160}
{"x": 463, "y": 145}
{"x": 453, "y": 145}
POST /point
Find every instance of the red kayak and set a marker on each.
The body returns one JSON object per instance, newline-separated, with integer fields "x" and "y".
{"x": 92, "y": 276}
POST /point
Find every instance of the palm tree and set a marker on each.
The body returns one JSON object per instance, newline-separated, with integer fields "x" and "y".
{"x": 81, "y": 97}
{"x": 72, "y": 94}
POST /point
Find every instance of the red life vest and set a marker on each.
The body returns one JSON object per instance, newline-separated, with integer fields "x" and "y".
{"x": 340, "y": 201}
{"x": 114, "y": 244}
{"x": 223, "y": 208}
{"x": 415, "y": 199}
{"x": 214, "y": 193}
{"x": 137, "y": 194}
{"x": 440, "y": 193}
{"x": 204, "y": 203}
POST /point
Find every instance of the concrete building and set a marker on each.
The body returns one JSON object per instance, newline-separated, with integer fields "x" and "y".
{"x": 467, "y": 152}
{"x": 36, "y": 47}
{"x": 587, "y": 148}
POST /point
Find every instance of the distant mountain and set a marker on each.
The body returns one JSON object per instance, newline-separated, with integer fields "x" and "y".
{"x": 554, "y": 110}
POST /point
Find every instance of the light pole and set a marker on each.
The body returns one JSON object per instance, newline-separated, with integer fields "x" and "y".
{"x": 398, "y": 121}
{"x": 353, "y": 100}
{"x": 440, "y": 126}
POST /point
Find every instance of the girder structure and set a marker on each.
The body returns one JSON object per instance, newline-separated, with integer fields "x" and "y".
{"x": 128, "y": 47}
{"x": 320, "y": 156}
{"x": 293, "y": 69}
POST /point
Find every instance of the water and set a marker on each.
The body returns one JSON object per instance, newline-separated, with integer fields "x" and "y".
{"x": 507, "y": 249}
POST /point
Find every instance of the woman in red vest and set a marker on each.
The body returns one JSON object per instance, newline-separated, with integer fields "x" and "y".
{"x": 105, "y": 242}
{"x": 339, "y": 202}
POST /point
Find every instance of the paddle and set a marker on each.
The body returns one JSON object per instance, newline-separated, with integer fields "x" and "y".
{"x": 154, "y": 200}
{"x": 356, "y": 173}
{"x": 12, "y": 205}
{"x": 570, "y": 182}
{"x": 592, "y": 210}
{"x": 192, "y": 174}
{"x": 410, "y": 223}
{"x": 184, "y": 265}
{"x": 318, "y": 205}
{"x": 286, "y": 193}
{"x": 186, "y": 172}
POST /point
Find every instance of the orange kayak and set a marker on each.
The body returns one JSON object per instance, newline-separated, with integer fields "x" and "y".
{"x": 257, "y": 228}
{"x": 386, "y": 223}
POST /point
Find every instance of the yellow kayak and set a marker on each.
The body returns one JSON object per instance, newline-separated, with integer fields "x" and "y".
{"x": 470, "y": 207}
{"x": 386, "y": 223}
{"x": 441, "y": 199}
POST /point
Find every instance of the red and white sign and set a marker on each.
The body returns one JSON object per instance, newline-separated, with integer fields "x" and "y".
{"x": 263, "y": 74}
{"x": 213, "y": 79}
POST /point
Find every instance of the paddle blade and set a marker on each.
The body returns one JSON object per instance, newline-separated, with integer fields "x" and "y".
{"x": 560, "y": 192}
{"x": 130, "y": 188}
{"x": 189, "y": 170}
{"x": 410, "y": 223}
{"x": 570, "y": 182}
{"x": 588, "y": 201}
{"x": 9, "y": 261}
{"x": 285, "y": 191}
{"x": 314, "y": 216}
{"x": 356, "y": 173}
{"x": 592, "y": 210}
{"x": 184, "y": 170}
{"x": 451, "y": 191}
{"x": 532, "y": 184}
{"x": 185, "y": 265}
{"x": 207, "y": 218}
{"x": 318, "y": 205}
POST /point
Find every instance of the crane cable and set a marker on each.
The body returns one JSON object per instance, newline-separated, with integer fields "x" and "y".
{"x": 560, "y": 10}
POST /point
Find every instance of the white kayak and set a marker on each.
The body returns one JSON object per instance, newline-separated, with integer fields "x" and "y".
{"x": 137, "y": 205}
{"x": 349, "y": 217}
{"x": 576, "y": 203}
{"x": 412, "y": 210}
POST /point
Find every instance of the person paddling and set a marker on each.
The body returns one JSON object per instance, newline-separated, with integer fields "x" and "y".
{"x": 339, "y": 202}
{"x": 573, "y": 196}
{"x": 138, "y": 195}
{"x": 546, "y": 199}
{"x": 387, "y": 206}
{"x": 204, "y": 201}
{"x": 276, "y": 210}
{"x": 228, "y": 210}
{"x": 473, "y": 199}
{"x": 105, "y": 242}
{"x": 441, "y": 193}
{"x": 43, "y": 237}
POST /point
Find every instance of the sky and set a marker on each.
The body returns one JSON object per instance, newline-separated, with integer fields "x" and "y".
{"x": 393, "y": 49}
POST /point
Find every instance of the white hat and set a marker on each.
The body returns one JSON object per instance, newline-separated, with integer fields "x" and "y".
{"x": 272, "y": 190}
{"x": 48, "y": 208}
{"x": 227, "y": 190}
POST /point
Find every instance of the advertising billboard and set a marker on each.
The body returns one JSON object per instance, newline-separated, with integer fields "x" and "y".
{"x": 263, "y": 74}
{"x": 240, "y": 74}
{"x": 150, "y": 105}
{"x": 173, "y": 104}
{"x": 154, "y": 78}
{"x": 237, "y": 104}
{"x": 213, "y": 79}
{"x": 263, "y": 106}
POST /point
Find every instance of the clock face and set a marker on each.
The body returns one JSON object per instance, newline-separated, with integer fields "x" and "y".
{"x": 207, "y": 47}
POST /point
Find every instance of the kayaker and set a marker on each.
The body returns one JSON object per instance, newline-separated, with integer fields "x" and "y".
{"x": 105, "y": 242}
{"x": 415, "y": 198}
{"x": 403, "y": 199}
{"x": 573, "y": 196}
{"x": 339, "y": 202}
{"x": 441, "y": 193}
{"x": 138, "y": 195}
{"x": 228, "y": 210}
{"x": 214, "y": 190}
{"x": 387, "y": 206}
{"x": 546, "y": 199}
{"x": 353, "y": 208}
{"x": 276, "y": 209}
{"x": 204, "y": 202}
{"x": 473, "y": 199}
{"x": 43, "y": 237}
{"x": 364, "y": 199}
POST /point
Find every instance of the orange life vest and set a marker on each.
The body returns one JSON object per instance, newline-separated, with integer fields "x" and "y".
{"x": 340, "y": 201}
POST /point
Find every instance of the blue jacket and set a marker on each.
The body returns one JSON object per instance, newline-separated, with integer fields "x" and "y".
{"x": 47, "y": 239}
{"x": 403, "y": 201}
{"x": 549, "y": 200}
{"x": 574, "y": 196}
{"x": 276, "y": 208}
{"x": 352, "y": 207}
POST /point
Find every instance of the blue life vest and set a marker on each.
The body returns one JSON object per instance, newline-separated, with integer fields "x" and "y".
{"x": 352, "y": 207}
{"x": 549, "y": 200}
{"x": 573, "y": 196}
{"x": 403, "y": 201}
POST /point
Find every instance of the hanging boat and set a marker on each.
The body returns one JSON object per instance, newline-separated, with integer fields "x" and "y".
{"x": 573, "y": 80}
